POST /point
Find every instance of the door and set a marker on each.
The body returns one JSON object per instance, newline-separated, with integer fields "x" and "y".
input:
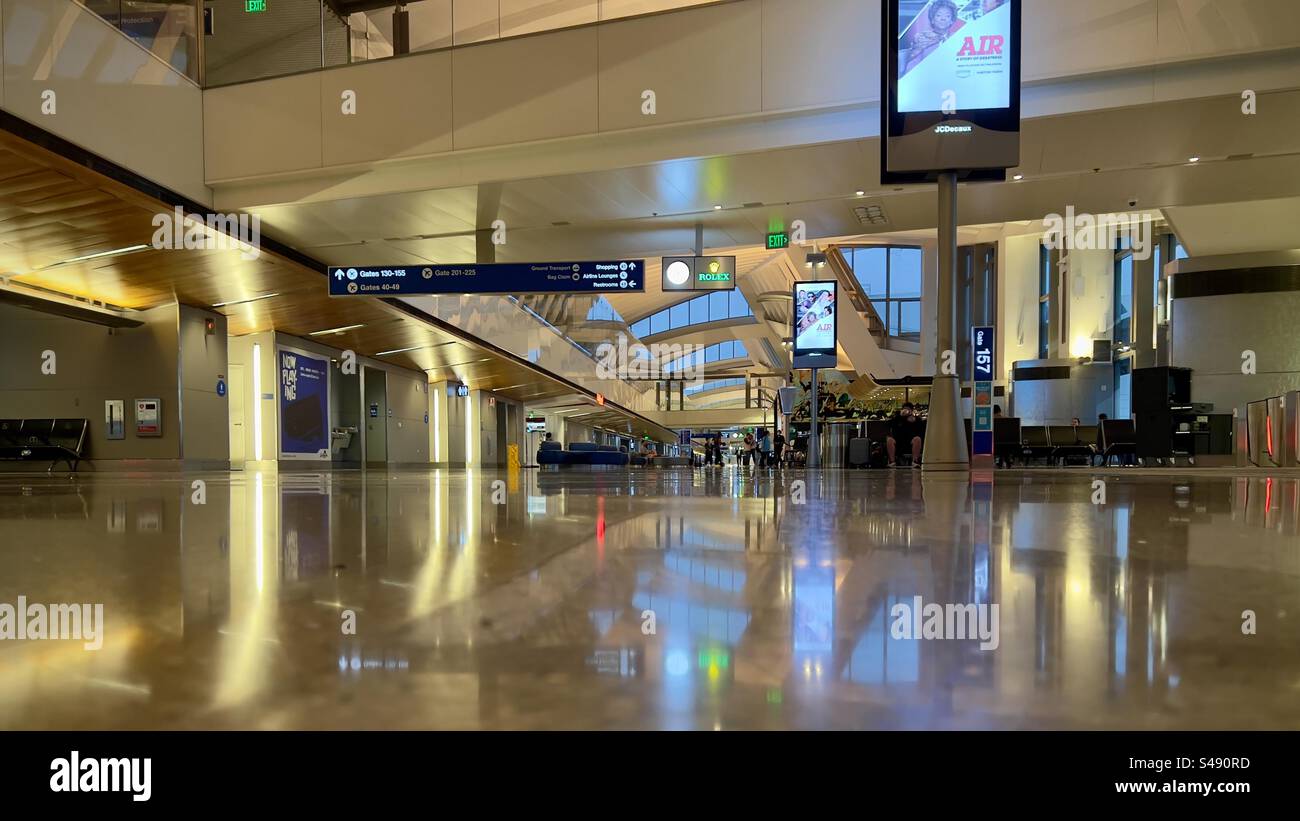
{"x": 376, "y": 396}
{"x": 235, "y": 394}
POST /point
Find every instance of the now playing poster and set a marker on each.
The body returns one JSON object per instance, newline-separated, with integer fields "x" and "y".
{"x": 304, "y": 405}
{"x": 954, "y": 52}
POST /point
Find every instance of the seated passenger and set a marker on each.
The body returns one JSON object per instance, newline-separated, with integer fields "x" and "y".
{"x": 905, "y": 426}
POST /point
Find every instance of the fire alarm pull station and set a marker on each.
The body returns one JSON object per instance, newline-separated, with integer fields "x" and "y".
{"x": 148, "y": 417}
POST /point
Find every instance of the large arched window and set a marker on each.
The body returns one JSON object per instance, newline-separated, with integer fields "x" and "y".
{"x": 710, "y": 307}
{"x": 891, "y": 278}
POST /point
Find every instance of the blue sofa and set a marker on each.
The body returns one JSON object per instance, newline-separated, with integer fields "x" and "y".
{"x": 581, "y": 453}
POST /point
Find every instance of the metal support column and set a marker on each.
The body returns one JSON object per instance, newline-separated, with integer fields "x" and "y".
{"x": 945, "y": 436}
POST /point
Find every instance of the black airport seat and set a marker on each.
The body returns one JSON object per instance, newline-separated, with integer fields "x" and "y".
{"x": 1118, "y": 440}
{"x": 1006, "y": 438}
{"x": 1035, "y": 442}
{"x": 1068, "y": 444}
{"x": 10, "y": 433}
{"x": 56, "y": 440}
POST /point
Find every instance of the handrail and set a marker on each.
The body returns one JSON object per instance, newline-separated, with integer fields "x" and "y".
{"x": 849, "y": 283}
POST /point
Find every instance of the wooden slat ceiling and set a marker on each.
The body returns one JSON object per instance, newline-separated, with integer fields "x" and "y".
{"x": 52, "y": 209}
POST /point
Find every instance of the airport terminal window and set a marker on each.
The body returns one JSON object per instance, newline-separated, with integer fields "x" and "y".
{"x": 1123, "y": 388}
{"x": 891, "y": 277}
{"x": 731, "y": 349}
{"x": 711, "y": 307}
{"x": 1123, "y": 325}
{"x": 602, "y": 311}
{"x": 691, "y": 390}
{"x": 1044, "y": 301}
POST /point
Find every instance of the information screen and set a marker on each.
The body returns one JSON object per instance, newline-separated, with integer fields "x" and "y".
{"x": 950, "y": 89}
{"x": 955, "y": 54}
{"x": 814, "y": 318}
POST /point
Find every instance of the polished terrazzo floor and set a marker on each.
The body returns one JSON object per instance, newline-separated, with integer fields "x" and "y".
{"x": 499, "y": 600}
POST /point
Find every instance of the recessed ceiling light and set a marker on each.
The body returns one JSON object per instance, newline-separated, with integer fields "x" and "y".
{"x": 1193, "y": 159}
{"x": 130, "y": 249}
{"x": 400, "y": 350}
{"x": 242, "y": 301}
{"x": 336, "y": 330}
{"x": 860, "y": 193}
{"x": 1018, "y": 177}
{"x": 717, "y": 208}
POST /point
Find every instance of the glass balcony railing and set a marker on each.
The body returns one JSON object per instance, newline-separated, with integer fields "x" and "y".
{"x": 168, "y": 28}
{"x": 254, "y": 39}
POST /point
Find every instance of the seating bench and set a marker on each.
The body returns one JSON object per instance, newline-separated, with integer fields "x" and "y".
{"x": 38, "y": 440}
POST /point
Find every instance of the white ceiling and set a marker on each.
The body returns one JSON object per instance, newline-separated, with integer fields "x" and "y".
{"x": 1241, "y": 195}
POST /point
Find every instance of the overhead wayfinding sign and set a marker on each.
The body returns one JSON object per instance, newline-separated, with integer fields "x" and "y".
{"x": 620, "y": 276}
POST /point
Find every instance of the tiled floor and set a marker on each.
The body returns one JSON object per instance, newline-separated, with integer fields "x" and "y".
{"x": 526, "y": 600}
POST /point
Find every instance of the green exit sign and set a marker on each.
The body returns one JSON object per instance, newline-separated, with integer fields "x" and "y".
{"x": 778, "y": 239}
{"x": 252, "y": 6}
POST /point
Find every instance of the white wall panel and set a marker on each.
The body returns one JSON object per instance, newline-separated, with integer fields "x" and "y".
{"x": 387, "y": 122}
{"x": 263, "y": 127}
{"x": 701, "y": 64}
{"x": 531, "y": 88}
{"x": 799, "y": 36}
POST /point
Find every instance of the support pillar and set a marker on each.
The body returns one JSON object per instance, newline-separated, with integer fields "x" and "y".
{"x": 945, "y": 436}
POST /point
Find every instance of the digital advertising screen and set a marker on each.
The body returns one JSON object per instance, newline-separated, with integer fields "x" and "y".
{"x": 955, "y": 52}
{"x": 950, "y": 77}
{"x": 814, "y": 320}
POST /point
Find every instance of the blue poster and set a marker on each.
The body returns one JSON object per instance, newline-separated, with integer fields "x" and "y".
{"x": 304, "y": 405}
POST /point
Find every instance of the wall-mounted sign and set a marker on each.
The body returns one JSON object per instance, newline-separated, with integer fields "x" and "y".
{"x": 374, "y": 410}
{"x": 254, "y": 6}
{"x": 114, "y": 419}
{"x": 777, "y": 240}
{"x": 950, "y": 82}
{"x": 462, "y": 390}
{"x": 815, "y": 329}
{"x": 304, "y": 405}
{"x": 982, "y": 370}
{"x": 221, "y": 386}
{"x": 148, "y": 417}
{"x": 619, "y": 276}
{"x": 698, "y": 273}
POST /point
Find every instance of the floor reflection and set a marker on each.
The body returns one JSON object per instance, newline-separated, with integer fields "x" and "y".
{"x": 675, "y": 599}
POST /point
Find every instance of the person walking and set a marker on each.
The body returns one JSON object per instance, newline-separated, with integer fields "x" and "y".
{"x": 764, "y": 449}
{"x": 747, "y": 450}
{"x": 778, "y": 447}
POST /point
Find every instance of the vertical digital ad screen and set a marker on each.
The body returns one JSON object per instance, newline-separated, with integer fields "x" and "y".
{"x": 814, "y": 318}
{"x": 955, "y": 53}
{"x": 950, "y": 89}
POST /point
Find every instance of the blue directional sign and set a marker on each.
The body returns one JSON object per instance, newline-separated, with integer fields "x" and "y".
{"x": 982, "y": 352}
{"x": 616, "y": 276}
